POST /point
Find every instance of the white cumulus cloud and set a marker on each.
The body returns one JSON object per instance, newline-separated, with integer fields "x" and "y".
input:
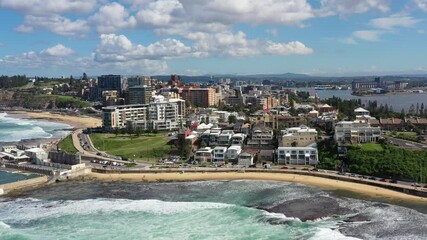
{"x": 345, "y": 7}
{"x": 58, "y": 55}
{"x": 421, "y": 4}
{"x": 48, "y": 7}
{"x": 113, "y": 17}
{"x": 56, "y": 24}
{"x": 57, "y": 51}
{"x": 118, "y": 48}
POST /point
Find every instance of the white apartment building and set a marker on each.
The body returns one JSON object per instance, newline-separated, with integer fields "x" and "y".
{"x": 204, "y": 155}
{"x": 163, "y": 115}
{"x": 297, "y": 155}
{"x": 301, "y": 136}
{"x": 356, "y": 132}
{"x": 159, "y": 115}
{"x": 233, "y": 152}
{"x": 118, "y": 116}
{"x": 219, "y": 154}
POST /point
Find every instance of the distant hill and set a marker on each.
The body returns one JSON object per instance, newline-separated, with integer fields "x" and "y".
{"x": 233, "y": 77}
{"x": 283, "y": 76}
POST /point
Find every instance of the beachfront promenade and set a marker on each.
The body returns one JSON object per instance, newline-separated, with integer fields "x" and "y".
{"x": 326, "y": 175}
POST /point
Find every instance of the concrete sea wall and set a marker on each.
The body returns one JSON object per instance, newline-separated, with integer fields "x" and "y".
{"x": 5, "y": 188}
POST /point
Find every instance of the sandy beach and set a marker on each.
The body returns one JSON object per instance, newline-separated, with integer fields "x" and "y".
{"x": 75, "y": 121}
{"x": 328, "y": 184}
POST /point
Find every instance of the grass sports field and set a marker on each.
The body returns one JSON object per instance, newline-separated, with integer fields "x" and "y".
{"x": 146, "y": 147}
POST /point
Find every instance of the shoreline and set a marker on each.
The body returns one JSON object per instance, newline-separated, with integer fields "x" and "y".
{"x": 386, "y": 94}
{"x": 324, "y": 183}
{"x": 75, "y": 121}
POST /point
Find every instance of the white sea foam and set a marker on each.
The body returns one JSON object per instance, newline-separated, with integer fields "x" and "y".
{"x": 280, "y": 216}
{"x": 16, "y": 129}
{"x": 32, "y": 209}
{"x": 329, "y": 234}
{"x": 4, "y": 225}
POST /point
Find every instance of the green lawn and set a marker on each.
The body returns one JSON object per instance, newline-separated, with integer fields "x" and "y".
{"x": 66, "y": 145}
{"x": 145, "y": 147}
{"x": 371, "y": 147}
{"x": 406, "y": 134}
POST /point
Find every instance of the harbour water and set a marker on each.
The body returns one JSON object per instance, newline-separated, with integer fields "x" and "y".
{"x": 15, "y": 128}
{"x": 398, "y": 101}
{"x": 202, "y": 210}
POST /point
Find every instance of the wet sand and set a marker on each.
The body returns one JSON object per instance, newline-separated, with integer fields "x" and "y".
{"x": 324, "y": 183}
{"x": 75, "y": 121}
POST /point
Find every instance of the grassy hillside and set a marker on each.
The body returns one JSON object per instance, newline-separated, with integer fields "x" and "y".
{"x": 66, "y": 145}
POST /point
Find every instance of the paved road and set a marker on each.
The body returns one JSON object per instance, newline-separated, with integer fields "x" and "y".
{"x": 406, "y": 144}
{"x": 89, "y": 154}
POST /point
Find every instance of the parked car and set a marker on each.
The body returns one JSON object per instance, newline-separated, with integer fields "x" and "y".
{"x": 393, "y": 181}
{"x": 372, "y": 178}
{"x": 383, "y": 180}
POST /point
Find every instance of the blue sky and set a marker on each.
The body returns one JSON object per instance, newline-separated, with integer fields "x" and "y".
{"x": 316, "y": 37}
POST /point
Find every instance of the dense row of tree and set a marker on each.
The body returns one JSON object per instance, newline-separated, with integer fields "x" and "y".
{"x": 392, "y": 162}
{"x": 346, "y": 108}
{"x": 14, "y": 81}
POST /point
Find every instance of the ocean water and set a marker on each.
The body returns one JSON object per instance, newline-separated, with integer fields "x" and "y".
{"x": 14, "y": 129}
{"x": 8, "y": 177}
{"x": 199, "y": 210}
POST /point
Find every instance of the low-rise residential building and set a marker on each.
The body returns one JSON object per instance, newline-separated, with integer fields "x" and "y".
{"x": 299, "y": 137}
{"x": 220, "y": 154}
{"x": 245, "y": 159}
{"x": 280, "y": 122}
{"x": 297, "y": 155}
{"x": 233, "y": 152}
{"x": 224, "y": 139}
{"x": 204, "y": 155}
{"x": 356, "y": 132}
{"x": 238, "y": 139}
{"x": 214, "y": 135}
{"x": 261, "y": 135}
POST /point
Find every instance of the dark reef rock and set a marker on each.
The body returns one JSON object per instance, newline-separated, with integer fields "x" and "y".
{"x": 310, "y": 208}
